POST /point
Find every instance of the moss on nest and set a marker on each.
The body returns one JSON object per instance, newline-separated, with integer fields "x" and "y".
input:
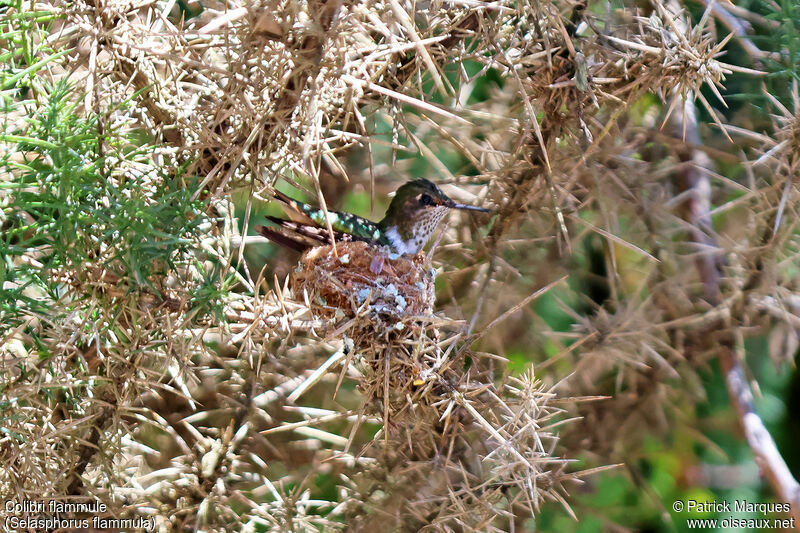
{"x": 402, "y": 288}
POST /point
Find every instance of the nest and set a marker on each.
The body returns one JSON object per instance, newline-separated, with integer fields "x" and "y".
{"x": 361, "y": 279}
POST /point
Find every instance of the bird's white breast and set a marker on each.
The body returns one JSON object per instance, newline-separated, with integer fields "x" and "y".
{"x": 400, "y": 245}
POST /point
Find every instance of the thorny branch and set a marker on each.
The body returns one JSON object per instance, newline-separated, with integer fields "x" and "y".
{"x": 709, "y": 267}
{"x": 253, "y": 95}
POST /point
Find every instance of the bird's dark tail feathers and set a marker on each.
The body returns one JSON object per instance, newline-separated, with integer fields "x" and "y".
{"x": 279, "y": 238}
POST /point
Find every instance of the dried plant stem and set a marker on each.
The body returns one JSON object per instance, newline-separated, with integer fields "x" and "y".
{"x": 766, "y": 453}
{"x": 87, "y": 449}
{"x": 761, "y": 443}
{"x": 739, "y": 28}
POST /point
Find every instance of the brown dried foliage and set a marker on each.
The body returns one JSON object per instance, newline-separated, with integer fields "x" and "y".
{"x": 225, "y": 422}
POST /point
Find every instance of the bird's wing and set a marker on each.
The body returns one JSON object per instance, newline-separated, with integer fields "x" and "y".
{"x": 345, "y": 226}
{"x": 361, "y": 229}
{"x": 299, "y": 236}
{"x": 294, "y": 209}
{"x": 303, "y": 213}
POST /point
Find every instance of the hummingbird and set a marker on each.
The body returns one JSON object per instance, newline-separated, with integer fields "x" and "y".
{"x": 416, "y": 209}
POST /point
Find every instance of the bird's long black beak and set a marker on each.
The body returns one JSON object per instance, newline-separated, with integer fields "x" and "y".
{"x": 469, "y": 207}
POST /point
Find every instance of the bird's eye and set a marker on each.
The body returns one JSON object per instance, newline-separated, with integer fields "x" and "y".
{"x": 425, "y": 199}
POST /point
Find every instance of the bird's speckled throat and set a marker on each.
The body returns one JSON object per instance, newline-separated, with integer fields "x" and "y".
{"x": 410, "y": 235}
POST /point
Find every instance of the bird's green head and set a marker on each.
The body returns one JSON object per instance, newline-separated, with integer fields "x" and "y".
{"x": 415, "y": 211}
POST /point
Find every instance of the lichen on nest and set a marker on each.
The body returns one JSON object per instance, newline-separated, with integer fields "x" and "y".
{"x": 346, "y": 283}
